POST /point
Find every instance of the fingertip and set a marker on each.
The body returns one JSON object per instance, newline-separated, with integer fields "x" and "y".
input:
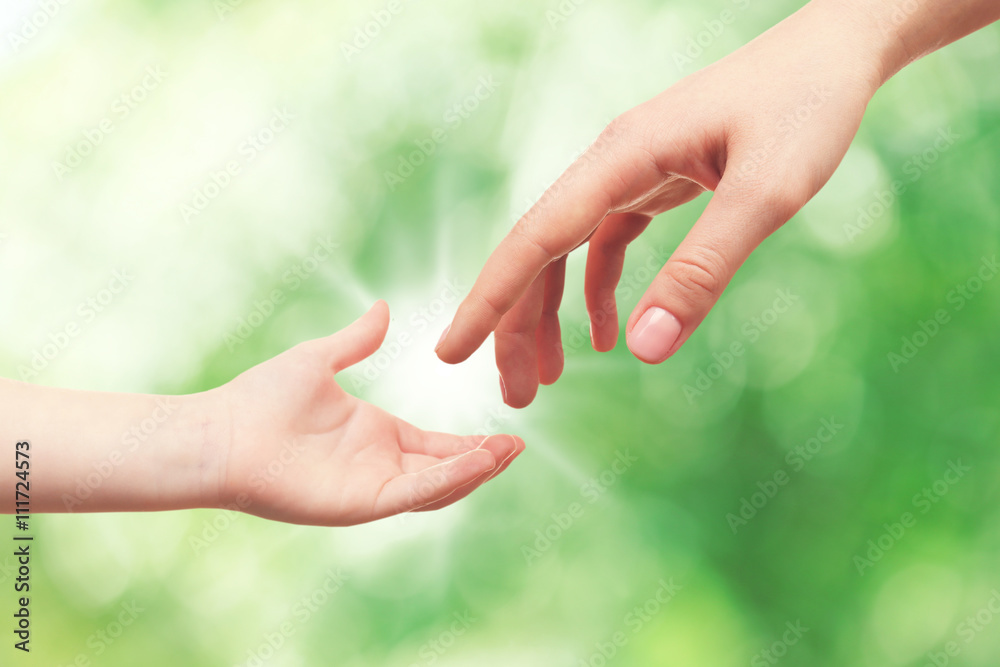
{"x": 514, "y": 447}
{"x": 502, "y": 447}
{"x": 448, "y": 351}
{"x": 551, "y": 356}
{"x": 380, "y": 309}
{"x": 550, "y": 374}
{"x": 444, "y": 335}
{"x": 472, "y": 324}
{"x": 518, "y": 364}
{"x": 654, "y": 336}
{"x": 376, "y": 317}
{"x": 604, "y": 338}
{"x": 520, "y": 395}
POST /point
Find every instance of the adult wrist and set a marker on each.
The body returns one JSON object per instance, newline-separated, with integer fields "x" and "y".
{"x": 879, "y": 32}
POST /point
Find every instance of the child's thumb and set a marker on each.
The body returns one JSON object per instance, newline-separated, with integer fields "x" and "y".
{"x": 360, "y": 339}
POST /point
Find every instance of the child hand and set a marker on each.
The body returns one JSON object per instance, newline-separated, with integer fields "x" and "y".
{"x": 303, "y": 450}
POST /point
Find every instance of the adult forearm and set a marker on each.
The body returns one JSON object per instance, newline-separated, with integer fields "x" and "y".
{"x": 96, "y": 452}
{"x": 910, "y": 29}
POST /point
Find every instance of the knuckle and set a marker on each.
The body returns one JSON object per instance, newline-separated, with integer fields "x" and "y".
{"x": 776, "y": 201}
{"x": 623, "y": 131}
{"x": 494, "y": 309}
{"x": 526, "y": 231}
{"x": 697, "y": 275}
{"x": 550, "y": 309}
{"x": 767, "y": 203}
{"x": 521, "y": 337}
{"x": 620, "y": 126}
{"x": 769, "y": 193}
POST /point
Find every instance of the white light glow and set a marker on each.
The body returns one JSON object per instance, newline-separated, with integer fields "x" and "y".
{"x": 406, "y": 378}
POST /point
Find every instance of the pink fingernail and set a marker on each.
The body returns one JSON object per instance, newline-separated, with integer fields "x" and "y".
{"x": 444, "y": 334}
{"x": 503, "y": 389}
{"x": 654, "y": 335}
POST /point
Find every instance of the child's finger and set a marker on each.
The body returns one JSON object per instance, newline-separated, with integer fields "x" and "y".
{"x": 413, "y": 490}
{"x": 514, "y": 451}
{"x": 413, "y": 440}
{"x": 359, "y": 340}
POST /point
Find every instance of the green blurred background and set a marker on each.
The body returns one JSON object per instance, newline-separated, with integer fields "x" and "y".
{"x": 543, "y": 566}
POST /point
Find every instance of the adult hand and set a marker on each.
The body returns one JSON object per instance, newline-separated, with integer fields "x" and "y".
{"x": 763, "y": 128}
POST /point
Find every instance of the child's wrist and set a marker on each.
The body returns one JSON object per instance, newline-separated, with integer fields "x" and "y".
{"x": 204, "y": 435}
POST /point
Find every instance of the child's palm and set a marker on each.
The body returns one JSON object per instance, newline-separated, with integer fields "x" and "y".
{"x": 303, "y": 450}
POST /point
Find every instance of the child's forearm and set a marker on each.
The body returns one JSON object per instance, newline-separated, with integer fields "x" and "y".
{"x": 98, "y": 452}
{"x": 282, "y": 440}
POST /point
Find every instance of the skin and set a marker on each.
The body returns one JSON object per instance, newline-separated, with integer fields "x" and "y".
{"x": 283, "y": 441}
{"x": 763, "y": 129}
